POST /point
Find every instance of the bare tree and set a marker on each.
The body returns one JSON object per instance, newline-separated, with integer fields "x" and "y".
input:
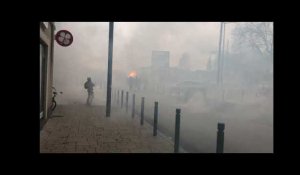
{"x": 257, "y": 35}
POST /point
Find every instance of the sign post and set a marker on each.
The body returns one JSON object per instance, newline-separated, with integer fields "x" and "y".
{"x": 109, "y": 69}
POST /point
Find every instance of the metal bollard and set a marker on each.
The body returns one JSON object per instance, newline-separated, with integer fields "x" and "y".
{"x": 142, "y": 110}
{"x": 122, "y": 94}
{"x": 111, "y": 94}
{"x": 126, "y": 101}
{"x": 155, "y": 118}
{"x": 115, "y": 96}
{"x": 220, "y": 137}
{"x": 118, "y": 99}
{"x": 177, "y": 131}
{"x": 133, "y": 105}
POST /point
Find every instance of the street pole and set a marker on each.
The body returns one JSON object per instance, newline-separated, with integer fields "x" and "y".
{"x": 223, "y": 52}
{"x": 222, "y": 57}
{"x": 219, "y": 53}
{"x": 109, "y": 69}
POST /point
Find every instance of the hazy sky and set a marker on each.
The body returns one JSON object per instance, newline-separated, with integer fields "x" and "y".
{"x": 133, "y": 45}
{"x": 134, "y": 41}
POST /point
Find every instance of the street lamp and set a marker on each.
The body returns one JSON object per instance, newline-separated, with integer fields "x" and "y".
{"x": 221, "y": 57}
{"x": 221, "y": 52}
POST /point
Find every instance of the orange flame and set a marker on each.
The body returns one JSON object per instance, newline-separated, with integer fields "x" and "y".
{"x": 132, "y": 74}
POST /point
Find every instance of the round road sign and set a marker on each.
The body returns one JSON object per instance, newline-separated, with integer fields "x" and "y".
{"x": 64, "y": 38}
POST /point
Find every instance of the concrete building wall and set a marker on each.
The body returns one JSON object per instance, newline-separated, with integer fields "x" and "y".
{"x": 47, "y": 37}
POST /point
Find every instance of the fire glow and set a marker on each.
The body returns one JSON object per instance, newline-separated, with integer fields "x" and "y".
{"x": 132, "y": 74}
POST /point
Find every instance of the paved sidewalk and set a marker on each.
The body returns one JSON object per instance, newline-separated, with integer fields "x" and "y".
{"x": 84, "y": 129}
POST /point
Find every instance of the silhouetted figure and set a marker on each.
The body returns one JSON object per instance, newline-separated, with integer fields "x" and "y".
{"x": 89, "y": 85}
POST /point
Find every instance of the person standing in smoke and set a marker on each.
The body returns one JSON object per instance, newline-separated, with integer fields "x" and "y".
{"x": 89, "y": 85}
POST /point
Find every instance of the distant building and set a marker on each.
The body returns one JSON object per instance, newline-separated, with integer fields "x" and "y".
{"x": 46, "y": 67}
{"x": 160, "y": 77}
{"x": 160, "y": 59}
{"x": 184, "y": 62}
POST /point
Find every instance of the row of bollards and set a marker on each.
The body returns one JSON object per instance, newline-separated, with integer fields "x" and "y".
{"x": 220, "y": 131}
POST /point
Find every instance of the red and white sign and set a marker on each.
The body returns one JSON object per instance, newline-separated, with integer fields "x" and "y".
{"x": 64, "y": 38}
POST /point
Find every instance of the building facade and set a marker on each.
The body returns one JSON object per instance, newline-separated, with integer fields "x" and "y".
{"x": 46, "y": 67}
{"x": 160, "y": 59}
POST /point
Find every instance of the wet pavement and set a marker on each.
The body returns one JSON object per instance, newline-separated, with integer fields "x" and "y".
{"x": 85, "y": 129}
